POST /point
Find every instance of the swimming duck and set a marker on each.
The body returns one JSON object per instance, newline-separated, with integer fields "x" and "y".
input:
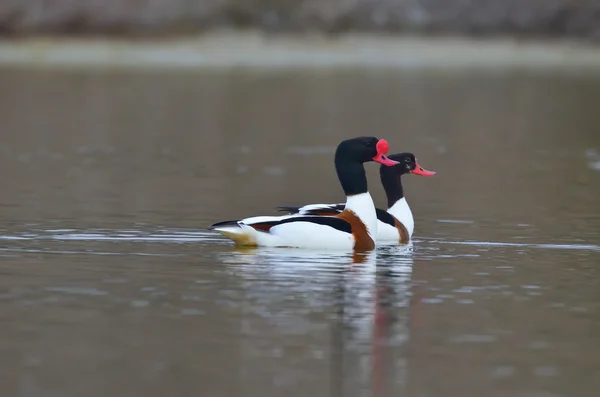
{"x": 354, "y": 227}
{"x": 396, "y": 224}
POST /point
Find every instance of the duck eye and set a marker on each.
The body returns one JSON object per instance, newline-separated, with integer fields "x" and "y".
{"x": 407, "y": 160}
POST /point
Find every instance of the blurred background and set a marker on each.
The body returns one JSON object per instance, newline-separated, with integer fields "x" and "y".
{"x": 129, "y": 127}
{"x": 555, "y": 18}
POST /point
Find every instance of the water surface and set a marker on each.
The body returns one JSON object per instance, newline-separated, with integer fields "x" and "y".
{"x": 112, "y": 286}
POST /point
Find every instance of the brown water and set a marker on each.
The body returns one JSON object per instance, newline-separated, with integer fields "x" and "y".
{"x": 110, "y": 284}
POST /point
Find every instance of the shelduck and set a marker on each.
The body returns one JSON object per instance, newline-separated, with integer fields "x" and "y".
{"x": 354, "y": 227}
{"x": 396, "y": 224}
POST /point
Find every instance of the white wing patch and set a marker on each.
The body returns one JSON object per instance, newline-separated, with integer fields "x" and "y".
{"x": 312, "y": 207}
{"x": 259, "y": 219}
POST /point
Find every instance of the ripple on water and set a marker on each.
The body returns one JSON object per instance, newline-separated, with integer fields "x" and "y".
{"x": 489, "y": 244}
{"x": 139, "y": 303}
{"x": 161, "y": 235}
{"x": 181, "y": 236}
{"x": 192, "y": 312}
{"x": 432, "y": 300}
{"x": 77, "y": 291}
{"x": 465, "y": 301}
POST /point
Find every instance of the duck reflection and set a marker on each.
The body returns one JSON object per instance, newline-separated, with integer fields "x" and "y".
{"x": 325, "y": 319}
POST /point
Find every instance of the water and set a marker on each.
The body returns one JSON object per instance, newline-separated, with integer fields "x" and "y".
{"x": 110, "y": 284}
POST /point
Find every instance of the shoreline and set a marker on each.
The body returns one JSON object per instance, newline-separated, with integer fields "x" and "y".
{"x": 255, "y": 50}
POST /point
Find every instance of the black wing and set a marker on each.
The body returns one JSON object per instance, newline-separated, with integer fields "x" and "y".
{"x": 385, "y": 217}
{"x": 335, "y": 223}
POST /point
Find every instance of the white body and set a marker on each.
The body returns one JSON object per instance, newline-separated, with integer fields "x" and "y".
{"x": 385, "y": 232}
{"x": 303, "y": 234}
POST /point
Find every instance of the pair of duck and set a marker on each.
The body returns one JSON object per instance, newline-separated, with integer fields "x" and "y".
{"x": 356, "y": 225}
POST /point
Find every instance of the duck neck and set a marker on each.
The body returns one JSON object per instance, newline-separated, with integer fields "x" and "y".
{"x": 392, "y": 184}
{"x": 353, "y": 179}
{"x": 352, "y": 176}
{"x": 396, "y": 202}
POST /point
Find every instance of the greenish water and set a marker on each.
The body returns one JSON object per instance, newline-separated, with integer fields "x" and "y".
{"x": 112, "y": 286}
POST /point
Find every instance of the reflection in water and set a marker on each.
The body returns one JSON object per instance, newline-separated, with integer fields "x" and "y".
{"x": 112, "y": 286}
{"x": 367, "y": 296}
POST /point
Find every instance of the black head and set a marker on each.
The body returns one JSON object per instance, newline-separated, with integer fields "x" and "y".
{"x": 407, "y": 164}
{"x": 361, "y": 149}
{"x": 390, "y": 176}
{"x": 350, "y": 156}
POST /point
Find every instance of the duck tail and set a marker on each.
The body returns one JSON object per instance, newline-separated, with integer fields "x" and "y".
{"x": 236, "y": 231}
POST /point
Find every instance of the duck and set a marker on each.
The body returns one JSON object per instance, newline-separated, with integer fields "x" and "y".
{"x": 353, "y": 228}
{"x": 395, "y": 224}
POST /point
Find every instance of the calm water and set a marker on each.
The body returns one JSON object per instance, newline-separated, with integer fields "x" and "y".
{"x": 110, "y": 284}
